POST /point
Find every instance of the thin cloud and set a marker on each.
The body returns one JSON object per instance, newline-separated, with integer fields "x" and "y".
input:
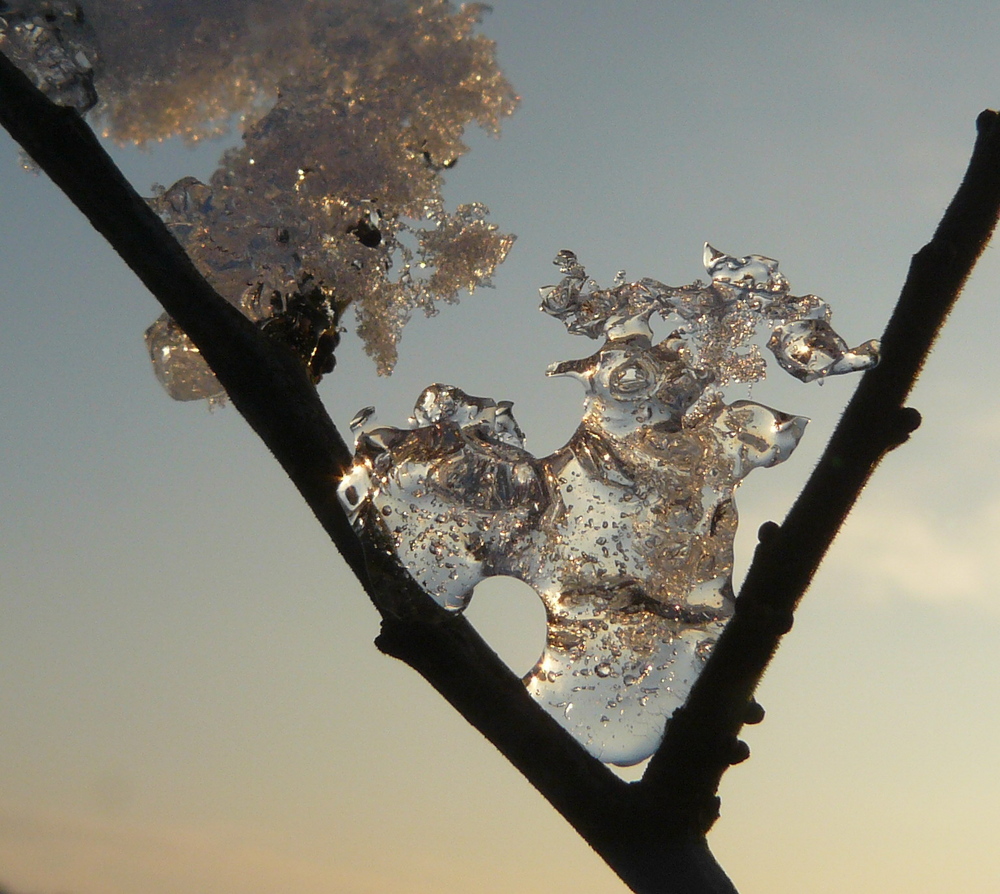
{"x": 900, "y": 550}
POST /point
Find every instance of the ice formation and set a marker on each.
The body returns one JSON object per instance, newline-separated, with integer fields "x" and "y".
{"x": 53, "y": 44}
{"x": 351, "y": 112}
{"x": 626, "y": 533}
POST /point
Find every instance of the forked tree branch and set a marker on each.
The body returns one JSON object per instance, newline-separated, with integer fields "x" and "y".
{"x": 661, "y": 846}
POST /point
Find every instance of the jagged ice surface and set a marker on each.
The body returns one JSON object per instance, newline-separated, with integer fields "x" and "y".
{"x": 626, "y": 533}
{"x": 351, "y": 113}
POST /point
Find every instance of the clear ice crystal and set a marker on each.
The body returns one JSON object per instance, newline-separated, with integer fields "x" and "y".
{"x": 178, "y": 364}
{"x": 626, "y": 533}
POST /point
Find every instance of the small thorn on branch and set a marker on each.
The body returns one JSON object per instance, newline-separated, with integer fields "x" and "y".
{"x": 740, "y": 752}
{"x": 754, "y": 713}
{"x": 767, "y": 532}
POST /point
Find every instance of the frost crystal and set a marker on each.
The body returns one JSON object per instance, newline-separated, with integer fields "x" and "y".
{"x": 627, "y": 532}
{"x": 351, "y": 111}
{"x": 53, "y": 44}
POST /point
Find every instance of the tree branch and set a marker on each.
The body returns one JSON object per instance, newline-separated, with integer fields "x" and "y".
{"x": 701, "y": 739}
{"x": 661, "y": 847}
{"x": 264, "y": 379}
{"x": 269, "y": 386}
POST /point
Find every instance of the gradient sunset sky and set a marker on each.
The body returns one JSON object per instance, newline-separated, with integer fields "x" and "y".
{"x": 189, "y": 695}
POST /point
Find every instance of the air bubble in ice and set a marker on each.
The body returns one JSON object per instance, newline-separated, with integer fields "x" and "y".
{"x": 627, "y": 532}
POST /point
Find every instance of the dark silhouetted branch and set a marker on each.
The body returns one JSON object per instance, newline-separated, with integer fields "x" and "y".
{"x": 265, "y": 381}
{"x": 652, "y": 833}
{"x": 701, "y": 739}
{"x": 270, "y": 388}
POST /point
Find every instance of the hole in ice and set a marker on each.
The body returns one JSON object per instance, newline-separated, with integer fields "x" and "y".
{"x": 626, "y": 532}
{"x": 508, "y": 614}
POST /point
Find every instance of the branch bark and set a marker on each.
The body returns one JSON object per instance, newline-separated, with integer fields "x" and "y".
{"x": 701, "y": 739}
{"x": 269, "y": 387}
{"x": 661, "y": 846}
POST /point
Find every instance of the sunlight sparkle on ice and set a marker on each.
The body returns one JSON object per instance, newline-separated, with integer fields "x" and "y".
{"x": 626, "y": 533}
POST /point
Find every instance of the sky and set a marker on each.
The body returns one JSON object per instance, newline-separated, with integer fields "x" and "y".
{"x": 190, "y": 697}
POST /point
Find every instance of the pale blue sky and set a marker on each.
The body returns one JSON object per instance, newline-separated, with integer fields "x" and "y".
{"x": 190, "y": 699}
